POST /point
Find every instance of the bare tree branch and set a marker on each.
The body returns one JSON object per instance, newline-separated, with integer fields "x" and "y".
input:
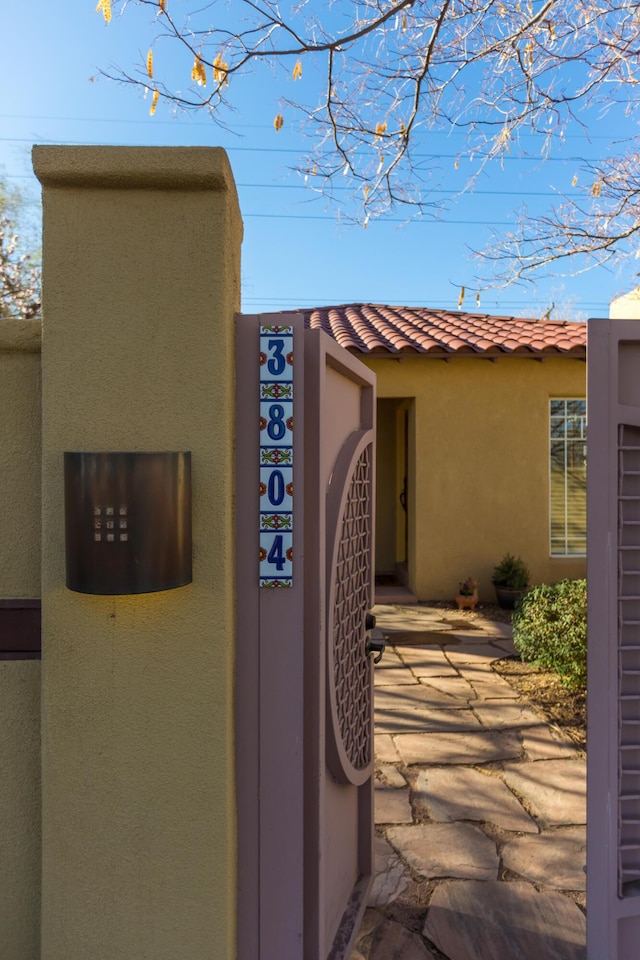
{"x": 394, "y": 70}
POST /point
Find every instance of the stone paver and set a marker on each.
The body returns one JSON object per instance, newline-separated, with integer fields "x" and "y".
{"x": 392, "y": 805}
{"x": 446, "y": 850}
{"x": 384, "y": 747}
{"x": 391, "y": 875}
{"x": 425, "y": 721}
{"x": 555, "y": 789}
{"x": 554, "y": 859}
{"x": 398, "y": 618}
{"x": 420, "y": 695}
{"x": 473, "y": 653}
{"x": 476, "y": 671}
{"x": 504, "y": 921}
{"x": 427, "y": 662}
{"x": 481, "y": 762}
{"x": 382, "y": 939}
{"x": 455, "y": 686}
{"x": 462, "y": 793}
{"x": 505, "y": 714}
{"x": 461, "y": 623}
{"x": 540, "y": 743}
{"x": 504, "y": 631}
{"x": 433, "y": 636}
{"x": 392, "y": 676}
{"x": 479, "y": 746}
{"x": 507, "y": 645}
{"x": 390, "y": 656}
{"x": 389, "y": 776}
{"x": 493, "y": 688}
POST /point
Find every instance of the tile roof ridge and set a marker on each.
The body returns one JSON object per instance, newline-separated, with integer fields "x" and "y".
{"x": 458, "y": 314}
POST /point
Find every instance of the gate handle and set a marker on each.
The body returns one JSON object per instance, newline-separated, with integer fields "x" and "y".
{"x": 375, "y": 646}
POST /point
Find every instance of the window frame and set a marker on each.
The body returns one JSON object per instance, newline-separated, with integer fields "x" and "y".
{"x": 565, "y": 555}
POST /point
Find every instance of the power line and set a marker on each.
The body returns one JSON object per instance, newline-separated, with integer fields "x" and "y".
{"x": 435, "y": 304}
{"x": 144, "y": 121}
{"x": 408, "y": 222}
{"x": 305, "y": 187}
{"x": 470, "y": 155}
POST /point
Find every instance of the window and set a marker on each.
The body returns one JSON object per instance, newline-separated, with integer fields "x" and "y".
{"x": 568, "y": 477}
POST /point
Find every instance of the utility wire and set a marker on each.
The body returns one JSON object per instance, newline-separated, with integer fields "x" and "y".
{"x": 265, "y": 126}
{"x": 470, "y": 155}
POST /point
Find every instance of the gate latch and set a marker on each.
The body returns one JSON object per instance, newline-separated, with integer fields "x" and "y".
{"x": 373, "y": 646}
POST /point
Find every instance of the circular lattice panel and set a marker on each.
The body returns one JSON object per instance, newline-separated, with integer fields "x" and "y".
{"x": 351, "y": 666}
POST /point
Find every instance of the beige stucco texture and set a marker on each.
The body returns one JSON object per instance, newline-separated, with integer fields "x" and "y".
{"x": 141, "y": 284}
{"x": 20, "y": 810}
{"x": 477, "y": 459}
{"x": 20, "y": 458}
{"x": 20, "y": 680}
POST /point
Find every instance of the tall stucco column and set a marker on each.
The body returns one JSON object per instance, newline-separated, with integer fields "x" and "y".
{"x": 141, "y": 269}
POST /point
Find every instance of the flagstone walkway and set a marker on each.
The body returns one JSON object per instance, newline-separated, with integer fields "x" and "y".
{"x": 479, "y": 805}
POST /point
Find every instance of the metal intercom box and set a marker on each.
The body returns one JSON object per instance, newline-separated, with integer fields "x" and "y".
{"x": 127, "y": 521}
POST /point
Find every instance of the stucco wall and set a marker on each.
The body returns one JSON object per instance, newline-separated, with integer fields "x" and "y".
{"x": 481, "y": 442}
{"x": 19, "y": 458}
{"x": 19, "y": 680}
{"x": 141, "y": 283}
{"x": 20, "y": 810}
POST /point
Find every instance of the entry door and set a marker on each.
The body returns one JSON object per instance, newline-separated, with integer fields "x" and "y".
{"x": 304, "y": 728}
{"x": 613, "y": 732}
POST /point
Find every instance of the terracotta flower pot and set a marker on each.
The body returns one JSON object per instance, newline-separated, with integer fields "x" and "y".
{"x": 468, "y": 603}
{"x": 468, "y": 600}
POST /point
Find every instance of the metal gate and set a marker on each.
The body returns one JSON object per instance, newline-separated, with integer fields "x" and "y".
{"x": 613, "y": 778}
{"x": 304, "y": 731}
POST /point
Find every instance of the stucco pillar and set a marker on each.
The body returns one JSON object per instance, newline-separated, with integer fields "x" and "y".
{"x": 141, "y": 282}
{"x": 19, "y": 679}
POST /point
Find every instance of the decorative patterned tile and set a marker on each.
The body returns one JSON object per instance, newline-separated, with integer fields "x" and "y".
{"x": 276, "y": 390}
{"x": 275, "y": 456}
{"x": 276, "y": 358}
{"x": 276, "y": 489}
{"x": 276, "y": 555}
{"x": 276, "y": 521}
{"x": 276, "y": 423}
{"x": 268, "y": 329}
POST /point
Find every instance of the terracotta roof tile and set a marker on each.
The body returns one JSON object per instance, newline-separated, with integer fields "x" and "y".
{"x": 386, "y": 330}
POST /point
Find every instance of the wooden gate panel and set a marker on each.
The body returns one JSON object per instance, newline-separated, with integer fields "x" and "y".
{"x": 305, "y": 799}
{"x": 339, "y": 854}
{"x": 613, "y": 504}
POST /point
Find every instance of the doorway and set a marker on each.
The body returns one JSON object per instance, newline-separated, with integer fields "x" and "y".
{"x": 394, "y": 500}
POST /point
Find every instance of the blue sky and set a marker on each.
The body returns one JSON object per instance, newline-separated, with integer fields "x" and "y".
{"x": 296, "y": 252}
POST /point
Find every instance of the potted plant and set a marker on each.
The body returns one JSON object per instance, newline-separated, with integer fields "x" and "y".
{"x": 468, "y": 594}
{"x": 511, "y": 580}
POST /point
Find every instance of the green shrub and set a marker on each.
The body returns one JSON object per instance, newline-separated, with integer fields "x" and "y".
{"x": 511, "y": 572}
{"x": 550, "y": 628}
